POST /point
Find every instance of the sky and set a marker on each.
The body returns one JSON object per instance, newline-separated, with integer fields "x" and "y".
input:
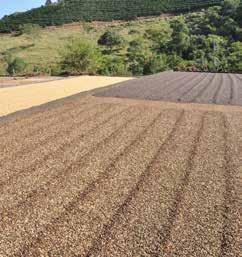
{"x": 11, "y": 6}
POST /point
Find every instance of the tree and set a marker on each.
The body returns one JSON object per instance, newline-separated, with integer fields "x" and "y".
{"x": 138, "y": 55}
{"x": 111, "y": 39}
{"x": 160, "y": 36}
{"x": 235, "y": 57}
{"x": 113, "y": 66}
{"x": 156, "y": 63}
{"x": 180, "y": 36}
{"x": 80, "y": 57}
{"x": 48, "y": 2}
{"x": 239, "y": 15}
{"x": 229, "y": 7}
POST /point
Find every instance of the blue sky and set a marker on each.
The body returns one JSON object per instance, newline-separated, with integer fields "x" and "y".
{"x": 10, "y": 6}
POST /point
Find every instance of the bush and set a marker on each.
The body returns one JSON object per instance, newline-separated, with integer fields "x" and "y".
{"x": 235, "y": 57}
{"x": 80, "y": 57}
{"x": 157, "y": 63}
{"x": 113, "y": 66}
{"x": 29, "y": 29}
{"x": 138, "y": 55}
{"x": 16, "y": 66}
{"x": 111, "y": 39}
{"x": 159, "y": 36}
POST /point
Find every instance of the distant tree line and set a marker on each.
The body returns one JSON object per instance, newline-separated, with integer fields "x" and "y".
{"x": 66, "y": 11}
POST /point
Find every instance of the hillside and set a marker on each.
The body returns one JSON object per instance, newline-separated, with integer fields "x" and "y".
{"x": 43, "y": 52}
{"x": 76, "y": 10}
{"x": 192, "y": 41}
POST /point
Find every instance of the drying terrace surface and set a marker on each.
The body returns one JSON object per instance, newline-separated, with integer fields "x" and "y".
{"x": 17, "y": 98}
{"x": 188, "y": 87}
{"x": 110, "y": 177}
{"x": 20, "y": 81}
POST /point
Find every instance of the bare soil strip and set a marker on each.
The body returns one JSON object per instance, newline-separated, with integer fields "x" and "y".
{"x": 225, "y": 89}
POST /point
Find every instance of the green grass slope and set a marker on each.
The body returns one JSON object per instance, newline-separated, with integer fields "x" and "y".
{"x": 43, "y": 51}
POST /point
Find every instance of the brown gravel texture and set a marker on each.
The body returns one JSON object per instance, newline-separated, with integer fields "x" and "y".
{"x": 91, "y": 176}
{"x": 186, "y": 87}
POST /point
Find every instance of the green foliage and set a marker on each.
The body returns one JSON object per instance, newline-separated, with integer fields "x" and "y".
{"x": 208, "y": 52}
{"x": 88, "y": 10}
{"x": 239, "y": 15}
{"x": 15, "y": 65}
{"x": 134, "y": 31}
{"x": 180, "y": 40}
{"x": 229, "y": 7}
{"x": 113, "y": 66}
{"x": 160, "y": 36}
{"x": 48, "y": 2}
{"x": 155, "y": 64}
{"x": 80, "y": 57}
{"x": 235, "y": 57}
{"x": 87, "y": 27}
{"x": 29, "y": 29}
{"x": 138, "y": 55}
{"x": 111, "y": 39}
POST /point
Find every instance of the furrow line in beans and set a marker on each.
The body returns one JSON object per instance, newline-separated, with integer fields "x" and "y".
{"x": 181, "y": 96}
{"x": 206, "y": 87}
{"x": 218, "y": 90}
{"x": 103, "y": 171}
{"x": 232, "y": 90}
{"x": 58, "y": 145}
{"x": 25, "y": 146}
{"x": 192, "y": 87}
{"x": 238, "y": 77}
{"x": 66, "y": 159}
{"x": 178, "y": 86}
{"x": 237, "y": 90}
{"x": 197, "y": 224}
{"x": 34, "y": 118}
{"x": 179, "y": 194}
{"x": 105, "y": 232}
{"x": 9, "y": 142}
{"x": 137, "y": 230}
{"x": 159, "y": 80}
{"x": 231, "y": 210}
{"x": 137, "y": 87}
{"x": 158, "y": 92}
{"x": 158, "y": 85}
